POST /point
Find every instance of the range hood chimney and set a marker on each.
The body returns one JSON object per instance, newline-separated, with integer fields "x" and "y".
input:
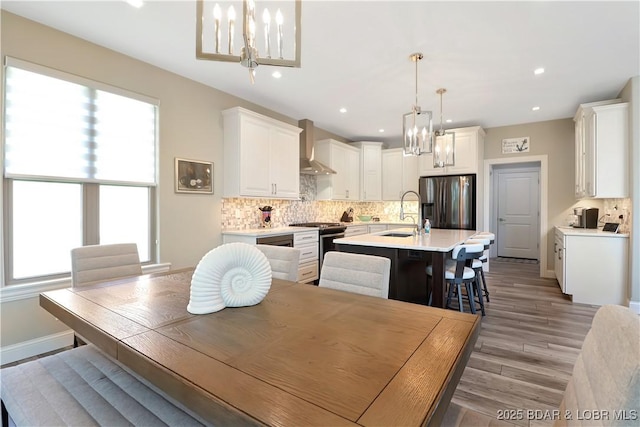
{"x": 309, "y": 166}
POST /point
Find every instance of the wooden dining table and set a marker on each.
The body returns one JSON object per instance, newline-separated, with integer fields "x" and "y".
{"x": 305, "y": 355}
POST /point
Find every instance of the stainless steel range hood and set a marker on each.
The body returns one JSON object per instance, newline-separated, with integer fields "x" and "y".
{"x": 308, "y": 165}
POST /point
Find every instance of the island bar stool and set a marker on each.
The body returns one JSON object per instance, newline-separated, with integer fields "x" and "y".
{"x": 458, "y": 272}
{"x": 477, "y": 263}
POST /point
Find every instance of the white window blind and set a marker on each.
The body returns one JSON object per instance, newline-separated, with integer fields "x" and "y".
{"x": 61, "y": 129}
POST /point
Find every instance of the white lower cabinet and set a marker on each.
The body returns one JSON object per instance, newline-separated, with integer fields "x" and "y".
{"x": 355, "y": 230}
{"x": 592, "y": 266}
{"x": 375, "y": 228}
{"x": 307, "y": 243}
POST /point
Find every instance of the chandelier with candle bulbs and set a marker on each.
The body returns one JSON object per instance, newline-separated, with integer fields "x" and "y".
{"x": 273, "y": 40}
{"x": 444, "y": 142}
{"x": 417, "y": 126}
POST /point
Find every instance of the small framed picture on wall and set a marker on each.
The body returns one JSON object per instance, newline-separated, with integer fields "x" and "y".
{"x": 193, "y": 176}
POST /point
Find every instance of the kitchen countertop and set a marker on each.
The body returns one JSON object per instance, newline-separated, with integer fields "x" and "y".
{"x": 436, "y": 241}
{"x": 597, "y": 232}
{"x": 278, "y": 231}
{"x": 408, "y": 224}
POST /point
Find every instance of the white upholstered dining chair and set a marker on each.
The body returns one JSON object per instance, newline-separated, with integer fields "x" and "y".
{"x": 606, "y": 375}
{"x": 362, "y": 274}
{"x": 99, "y": 263}
{"x": 284, "y": 261}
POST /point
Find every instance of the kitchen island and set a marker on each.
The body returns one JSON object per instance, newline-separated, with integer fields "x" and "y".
{"x": 409, "y": 255}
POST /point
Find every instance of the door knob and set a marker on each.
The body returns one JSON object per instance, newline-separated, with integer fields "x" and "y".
{"x": 501, "y": 219}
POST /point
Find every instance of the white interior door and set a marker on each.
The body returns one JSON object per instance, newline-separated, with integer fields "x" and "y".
{"x": 518, "y": 214}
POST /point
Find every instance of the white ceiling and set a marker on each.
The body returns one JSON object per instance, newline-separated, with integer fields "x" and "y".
{"x": 355, "y": 54}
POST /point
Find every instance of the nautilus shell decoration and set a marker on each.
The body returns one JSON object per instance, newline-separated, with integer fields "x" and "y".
{"x": 231, "y": 275}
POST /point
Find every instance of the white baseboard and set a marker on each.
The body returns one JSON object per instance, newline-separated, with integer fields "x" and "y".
{"x": 550, "y": 274}
{"x": 34, "y": 347}
{"x": 635, "y": 306}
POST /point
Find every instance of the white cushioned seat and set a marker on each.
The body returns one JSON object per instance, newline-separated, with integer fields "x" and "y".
{"x": 84, "y": 387}
{"x": 284, "y": 261}
{"x": 606, "y": 375}
{"x": 362, "y": 274}
{"x": 450, "y": 271}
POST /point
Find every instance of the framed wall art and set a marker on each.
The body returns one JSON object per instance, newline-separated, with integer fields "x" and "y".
{"x": 516, "y": 145}
{"x": 193, "y": 176}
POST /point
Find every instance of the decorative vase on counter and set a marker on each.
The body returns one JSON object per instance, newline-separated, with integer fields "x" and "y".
{"x": 265, "y": 218}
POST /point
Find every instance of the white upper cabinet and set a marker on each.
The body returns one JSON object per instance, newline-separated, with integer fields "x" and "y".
{"x": 370, "y": 170}
{"x": 602, "y": 149}
{"x": 399, "y": 173}
{"x": 261, "y": 156}
{"x": 468, "y": 154}
{"x": 345, "y": 160}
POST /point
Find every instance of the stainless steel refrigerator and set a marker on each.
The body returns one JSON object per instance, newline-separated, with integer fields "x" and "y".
{"x": 449, "y": 201}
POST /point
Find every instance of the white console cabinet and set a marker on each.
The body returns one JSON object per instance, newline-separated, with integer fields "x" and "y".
{"x": 592, "y": 265}
{"x": 261, "y": 156}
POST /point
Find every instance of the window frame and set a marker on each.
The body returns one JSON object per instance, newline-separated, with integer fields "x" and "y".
{"x": 90, "y": 188}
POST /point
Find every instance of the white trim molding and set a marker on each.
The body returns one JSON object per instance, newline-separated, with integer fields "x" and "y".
{"x": 22, "y": 350}
{"x": 544, "y": 195}
{"x": 635, "y": 306}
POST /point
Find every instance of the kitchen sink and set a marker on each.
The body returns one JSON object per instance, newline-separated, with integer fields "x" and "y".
{"x": 397, "y": 234}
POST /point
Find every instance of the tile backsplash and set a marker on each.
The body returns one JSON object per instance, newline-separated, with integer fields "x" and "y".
{"x": 243, "y": 213}
{"x": 613, "y": 208}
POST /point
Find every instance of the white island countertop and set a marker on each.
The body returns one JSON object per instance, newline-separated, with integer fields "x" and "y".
{"x": 437, "y": 240}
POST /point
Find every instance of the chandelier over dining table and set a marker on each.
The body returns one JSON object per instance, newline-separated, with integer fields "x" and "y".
{"x": 269, "y": 33}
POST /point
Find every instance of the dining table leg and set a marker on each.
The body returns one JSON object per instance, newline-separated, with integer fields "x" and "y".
{"x": 438, "y": 286}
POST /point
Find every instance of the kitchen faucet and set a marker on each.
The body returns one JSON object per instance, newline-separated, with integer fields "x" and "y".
{"x": 418, "y": 223}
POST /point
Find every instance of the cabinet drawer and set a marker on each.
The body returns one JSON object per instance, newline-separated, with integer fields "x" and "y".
{"x": 354, "y": 230}
{"x": 304, "y": 237}
{"x": 308, "y": 252}
{"x": 308, "y": 272}
{"x": 377, "y": 227}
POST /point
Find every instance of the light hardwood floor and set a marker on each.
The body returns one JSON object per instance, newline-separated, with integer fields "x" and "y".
{"x": 529, "y": 341}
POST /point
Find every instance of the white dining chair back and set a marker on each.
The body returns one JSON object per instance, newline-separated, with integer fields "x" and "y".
{"x": 284, "y": 261}
{"x": 362, "y": 274}
{"x": 606, "y": 375}
{"x": 98, "y": 263}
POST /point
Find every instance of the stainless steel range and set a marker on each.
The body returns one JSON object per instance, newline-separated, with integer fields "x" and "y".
{"x": 328, "y": 231}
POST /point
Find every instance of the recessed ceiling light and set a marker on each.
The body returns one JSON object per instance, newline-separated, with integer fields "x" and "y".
{"x": 538, "y": 71}
{"x": 135, "y": 3}
{"x": 381, "y": 130}
{"x": 448, "y": 121}
{"x": 343, "y": 110}
{"x": 536, "y": 108}
{"x": 276, "y": 74}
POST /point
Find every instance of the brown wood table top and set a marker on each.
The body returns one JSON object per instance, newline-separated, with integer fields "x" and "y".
{"x": 304, "y": 356}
